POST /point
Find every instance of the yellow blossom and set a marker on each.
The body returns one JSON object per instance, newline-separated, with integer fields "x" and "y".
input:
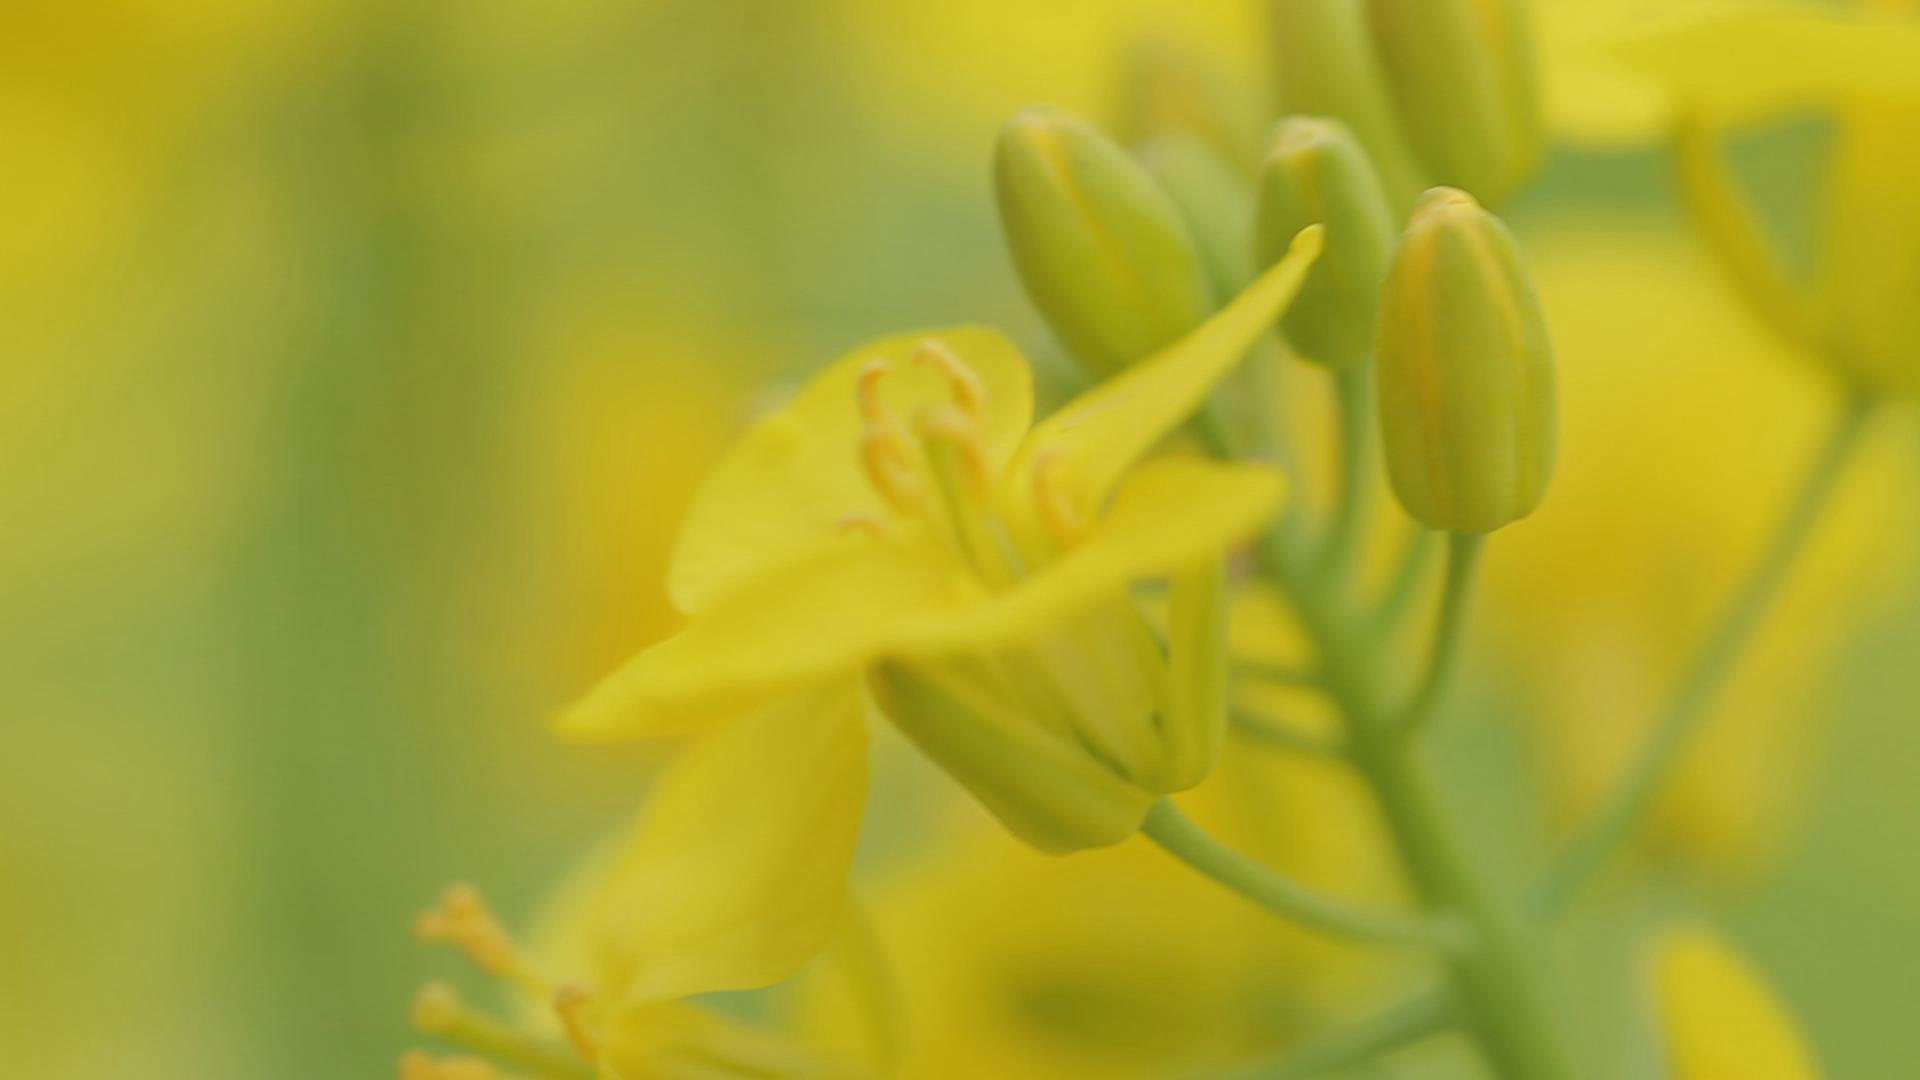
{"x": 1860, "y": 71}
{"x": 703, "y": 895}
{"x": 899, "y": 525}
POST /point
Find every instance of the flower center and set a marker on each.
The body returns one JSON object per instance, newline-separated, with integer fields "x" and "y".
{"x": 935, "y": 469}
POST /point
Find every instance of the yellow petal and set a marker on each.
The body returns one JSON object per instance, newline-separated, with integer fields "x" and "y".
{"x": 783, "y": 491}
{"x": 734, "y": 873}
{"x": 1720, "y": 1018}
{"x": 819, "y": 619}
{"x": 1740, "y": 67}
{"x": 1165, "y": 518}
{"x": 1086, "y": 447}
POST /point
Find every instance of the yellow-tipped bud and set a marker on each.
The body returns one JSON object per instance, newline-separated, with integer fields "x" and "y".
{"x": 1327, "y": 66}
{"x": 1463, "y": 79}
{"x": 1317, "y": 173}
{"x": 1040, "y": 781}
{"x": 1465, "y": 371}
{"x": 1213, "y": 200}
{"x": 1101, "y": 249}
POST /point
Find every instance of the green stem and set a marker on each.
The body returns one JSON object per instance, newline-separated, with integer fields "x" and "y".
{"x": 1338, "y": 549}
{"x": 1610, "y": 827}
{"x": 1500, "y": 1002}
{"x": 1284, "y": 736}
{"x": 1463, "y": 556}
{"x": 1405, "y": 584}
{"x": 1395, "y": 1029}
{"x": 1180, "y": 837}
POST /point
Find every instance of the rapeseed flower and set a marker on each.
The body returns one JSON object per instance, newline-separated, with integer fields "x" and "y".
{"x": 897, "y": 526}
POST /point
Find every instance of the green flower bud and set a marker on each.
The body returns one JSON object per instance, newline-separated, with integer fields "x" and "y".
{"x": 1101, "y": 249}
{"x": 1042, "y": 784}
{"x": 1317, "y": 173}
{"x": 1327, "y": 65}
{"x": 1462, "y": 73}
{"x": 1465, "y": 371}
{"x": 1214, "y": 202}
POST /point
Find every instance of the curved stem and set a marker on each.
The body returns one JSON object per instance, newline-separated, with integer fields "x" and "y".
{"x": 1494, "y": 984}
{"x": 1373, "y": 1037}
{"x": 1463, "y": 556}
{"x": 1180, "y": 837}
{"x": 1405, "y": 583}
{"x": 1590, "y": 849}
{"x": 1284, "y": 736}
{"x": 1354, "y": 385}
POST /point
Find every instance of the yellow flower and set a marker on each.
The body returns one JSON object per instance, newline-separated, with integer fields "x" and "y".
{"x": 704, "y": 894}
{"x": 899, "y": 526}
{"x": 1852, "y": 308}
{"x": 1676, "y": 450}
{"x": 1718, "y": 1016}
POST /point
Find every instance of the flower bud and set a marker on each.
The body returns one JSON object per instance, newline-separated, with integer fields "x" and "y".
{"x": 1462, "y": 73}
{"x": 1043, "y": 785}
{"x": 1101, "y": 249}
{"x": 1214, "y": 202}
{"x": 1465, "y": 371}
{"x": 1172, "y": 92}
{"x": 1327, "y": 66}
{"x": 1317, "y": 173}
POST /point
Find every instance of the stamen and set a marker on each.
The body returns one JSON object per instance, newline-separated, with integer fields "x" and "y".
{"x": 438, "y": 1011}
{"x": 969, "y": 392}
{"x": 420, "y": 1065}
{"x": 1056, "y": 511}
{"x": 462, "y": 919}
{"x": 943, "y": 428}
{"x": 570, "y": 1003}
{"x": 885, "y": 450}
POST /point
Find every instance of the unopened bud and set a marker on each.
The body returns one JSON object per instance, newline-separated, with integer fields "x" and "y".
{"x": 1464, "y": 81}
{"x": 1042, "y": 784}
{"x": 1327, "y": 66}
{"x": 1317, "y": 173}
{"x": 1465, "y": 371}
{"x": 1102, "y": 251}
{"x": 1214, "y": 202}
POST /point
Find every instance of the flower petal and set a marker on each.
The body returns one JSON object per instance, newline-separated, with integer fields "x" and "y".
{"x": 1087, "y": 446}
{"x": 819, "y": 619}
{"x": 1167, "y": 516}
{"x": 734, "y": 873}
{"x": 1739, "y": 67}
{"x": 783, "y": 491}
{"x": 1721, "y": 1019}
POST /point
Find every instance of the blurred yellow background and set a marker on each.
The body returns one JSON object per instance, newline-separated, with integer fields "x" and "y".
{"x": 357, "y": 359}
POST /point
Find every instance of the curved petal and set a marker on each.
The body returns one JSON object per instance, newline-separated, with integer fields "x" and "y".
{"x": 1086, "y": 447}
{"x": 1719, "y": 1015}
{"x": 782, "y": 491}
{"x": 820, "y": 618}
{"x": 1167, "y": 517}
{"x": 1739, "y": 67}
{"x": 734, "y": 873}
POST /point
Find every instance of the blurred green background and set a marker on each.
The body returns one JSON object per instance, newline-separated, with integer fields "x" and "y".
{"x": 356, "y": 360}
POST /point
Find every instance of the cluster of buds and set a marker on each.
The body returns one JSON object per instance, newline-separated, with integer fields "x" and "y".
{"x": 1440, "y": 92}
